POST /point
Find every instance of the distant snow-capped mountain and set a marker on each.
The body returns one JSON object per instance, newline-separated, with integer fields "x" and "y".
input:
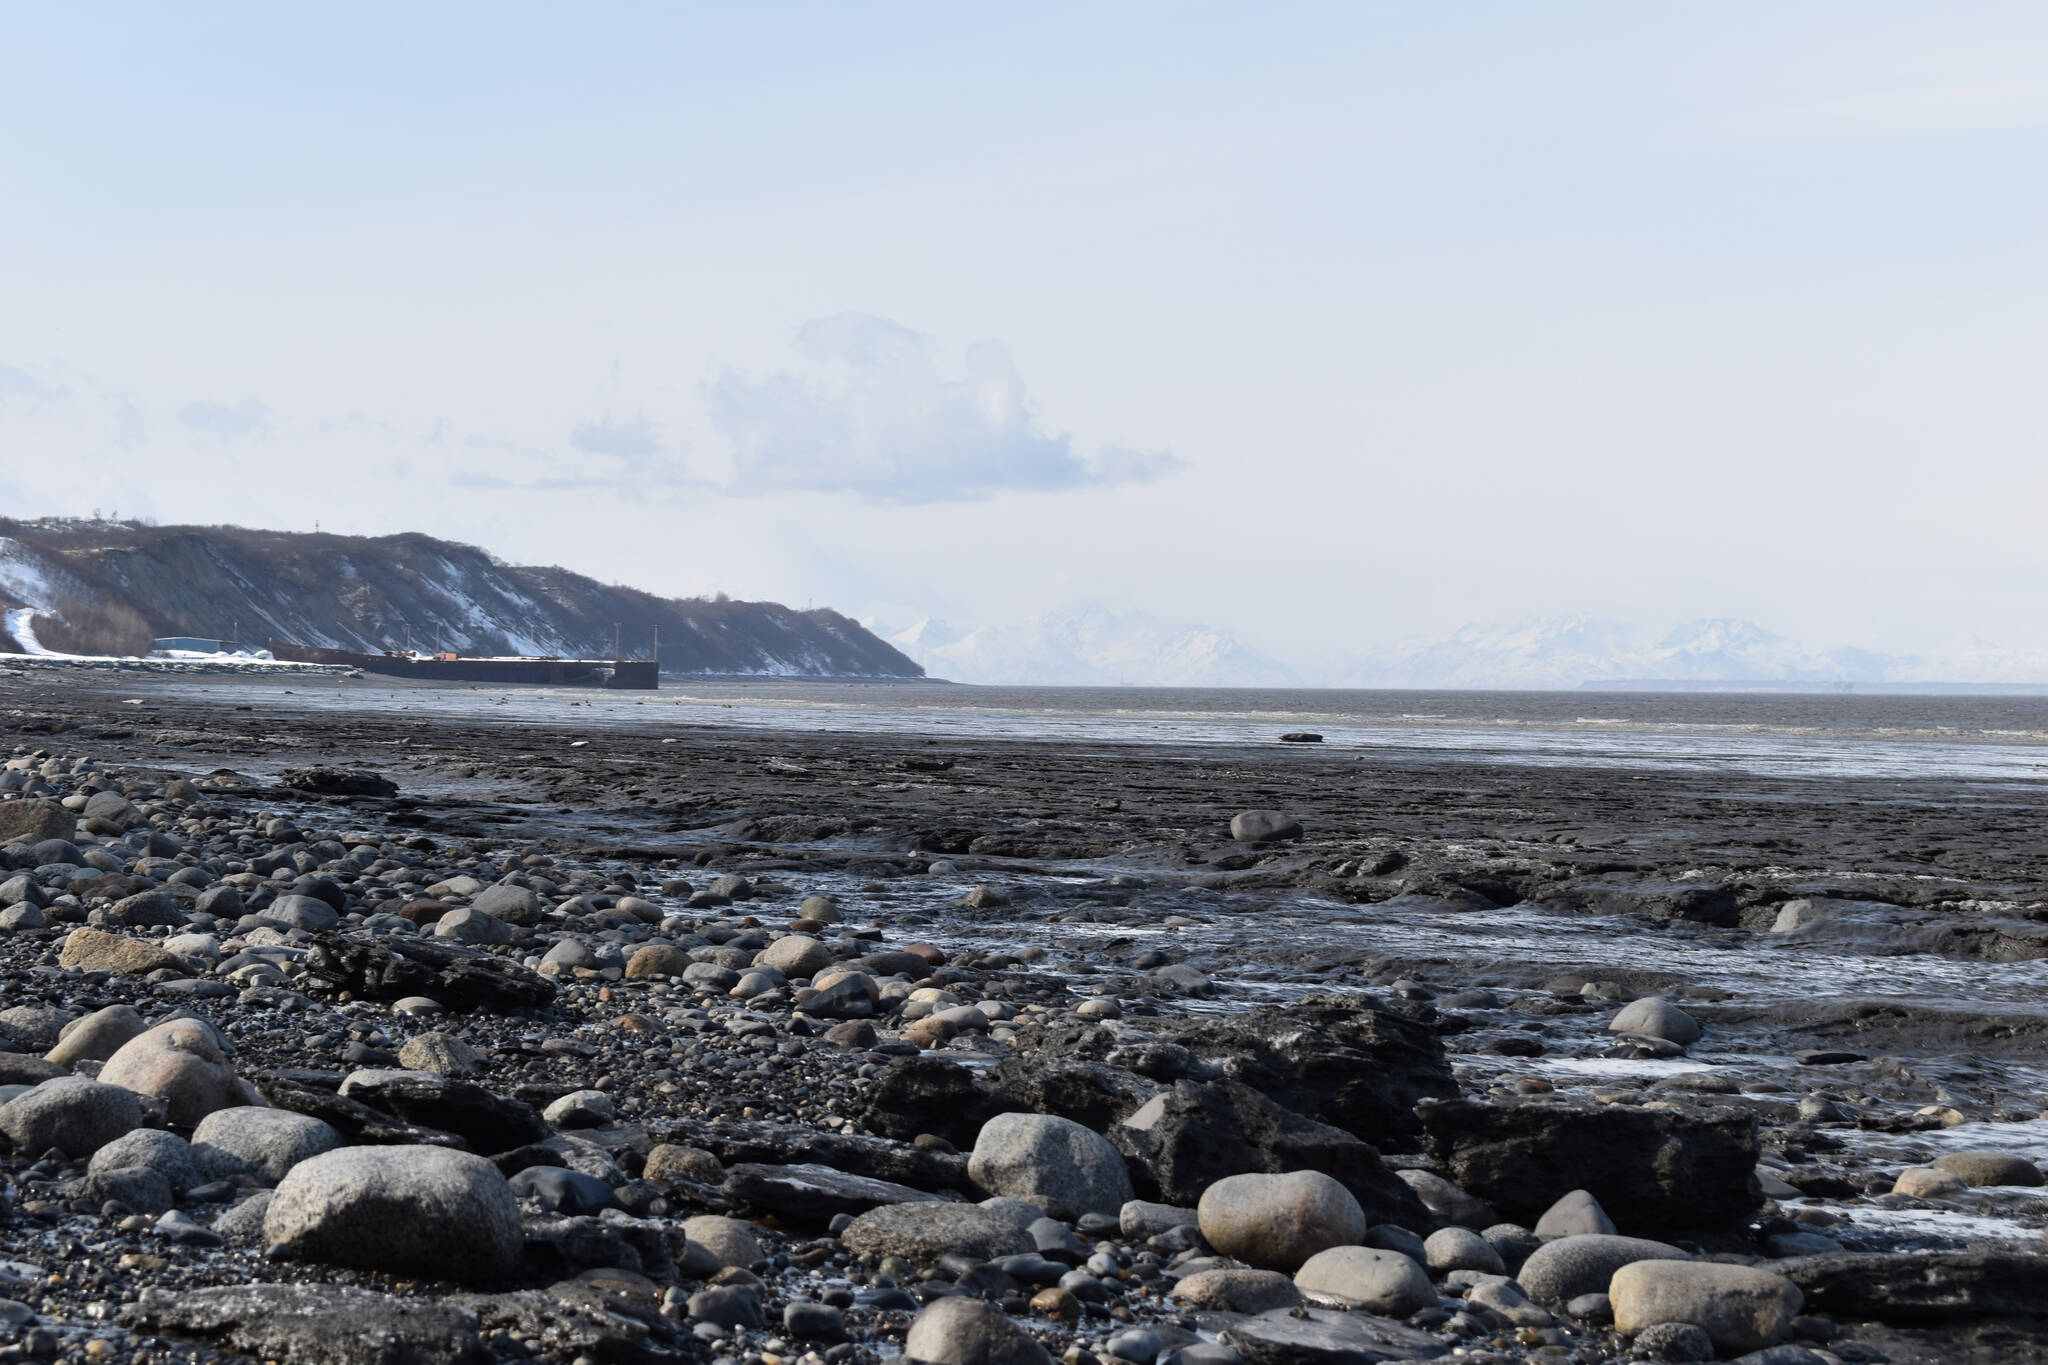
{"x": 1098, "y": 647}
{"x": 1091, "y": 647}
{"x": 1568, "y": 652}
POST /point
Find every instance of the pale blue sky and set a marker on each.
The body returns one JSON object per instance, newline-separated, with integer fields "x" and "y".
{"x": 1313, "y": 322}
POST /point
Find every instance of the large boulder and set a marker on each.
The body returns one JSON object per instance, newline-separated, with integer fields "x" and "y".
{"x": 963, "y": 1331}
{"x": 1560, "y": 1271}
{"x": 1186, "y": 1139}
{"x": 34, "y": 820}
{"x": 97, "y": 1036}
{"x": 1066, "y": 1169}
{"x": 796, "y": 956}
{"x": 150, "y": 1149}
{"x": 1655, "y": 1017}
{"x": 448, "y": 1054}
{"x": 1655, "y": 1171}
{"x": 95, "y": 950}
{"x": 730, "y": 1240}
{"x": 32, "y": 1028}
{"x": 310, "y": 913}
{"x": 407, "y": 1210}
{"x": 70, "y": 1113}
{"x": 1264, "y": 827}
{"x": 182, "y": 1063}
{"x": 657, "y": 959}
{"x": 260, "y": 1142}
{"x": 1336, "y": 1059}
{"x": 111, "y": 808}
{"x": 511, "y": 903}
{"x": 146, "y": 910}
{"x": 1384, "y": 1282}
{"x": 1741, "y": 1308}
{"x": 1574, "y": 1214}
{"x": 1235, "y": 1290}
{"x": 922, "y": 1232}
{"x": 1276, "y": 1222}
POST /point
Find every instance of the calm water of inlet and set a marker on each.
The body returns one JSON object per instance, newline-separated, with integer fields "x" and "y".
{"x": 1802, "y": 734}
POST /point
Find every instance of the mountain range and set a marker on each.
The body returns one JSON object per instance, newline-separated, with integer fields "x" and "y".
{"x": 110, "y": 587}
{"x": 1092, "y": 647}
{"x": 1097, "y": 647}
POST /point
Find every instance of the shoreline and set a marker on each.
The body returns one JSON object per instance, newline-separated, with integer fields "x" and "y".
{"x": 1505, "y": 912}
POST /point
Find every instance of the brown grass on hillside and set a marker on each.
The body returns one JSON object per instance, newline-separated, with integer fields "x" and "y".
{"x": 87, "y": 628}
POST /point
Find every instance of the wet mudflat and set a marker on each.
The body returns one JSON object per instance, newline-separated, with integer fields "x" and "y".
{"x": 1855, "y": 963}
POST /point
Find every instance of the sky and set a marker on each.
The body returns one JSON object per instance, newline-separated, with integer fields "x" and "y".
{"x": 1319, "y": 324}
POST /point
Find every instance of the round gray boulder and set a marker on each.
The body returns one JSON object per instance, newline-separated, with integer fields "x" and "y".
{"x": 150, "y": 1149}
{"x": 798, "y": 956}
{"x": 265, "y": 1143}
{"x": 1264, "y": 827}
{"x": 1560, "y": 1271}
{"x": 1741, "y": 1308}
{"x": 1236, "y": 1291}
{"x": 419, "y": 1210}
{"x": 1383, "y": 1282}
{"x": 730, "y": 1240}
{"x": 511, "y": 903}
{"x": 70, "y": 1113}
{"x": 1576, "y": 1214}
{"x": 97, "y": 1036}
{"x": 302, "y": 912}
{"x": 1279, "y": 1221}
{"x": 445, "y": 1053}
{"x": 1449, "y": 1249}
{"x": 180, "y": 1062}
{"x": 1655, "y": 1017}
{"x": 963, "y": 1331}
{"x": 1064, "y": 1167}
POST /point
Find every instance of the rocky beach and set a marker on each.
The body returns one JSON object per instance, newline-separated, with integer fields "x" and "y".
{"x": 499, "y": 1028}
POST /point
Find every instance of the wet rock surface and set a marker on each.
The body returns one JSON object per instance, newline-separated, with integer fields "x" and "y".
{"x": 490, "y": 1046}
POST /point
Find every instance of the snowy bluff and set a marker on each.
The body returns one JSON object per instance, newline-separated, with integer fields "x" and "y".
{"x": 353, "y": 592}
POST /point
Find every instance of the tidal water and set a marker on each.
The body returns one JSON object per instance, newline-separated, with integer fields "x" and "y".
{"x": 1769, "y": 734}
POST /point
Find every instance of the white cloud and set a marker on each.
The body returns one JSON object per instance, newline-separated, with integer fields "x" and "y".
{"x": 883, "y": 412}
{"x": 228, "y": 421}
{"x": 634, "y": 438}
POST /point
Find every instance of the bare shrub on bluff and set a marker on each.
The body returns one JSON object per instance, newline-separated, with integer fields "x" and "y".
{"x": 89, "y": 628}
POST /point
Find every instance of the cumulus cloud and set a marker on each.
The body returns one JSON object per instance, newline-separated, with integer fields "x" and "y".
{"x": 881, "y": 411}
{"x": 634, "y": 438}
{"x": 228, "y": 421}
